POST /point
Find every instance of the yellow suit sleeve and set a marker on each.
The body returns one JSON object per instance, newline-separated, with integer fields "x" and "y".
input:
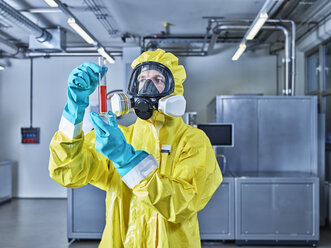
{"x": 75, "y": 163}
{"x": 194, "y": 179}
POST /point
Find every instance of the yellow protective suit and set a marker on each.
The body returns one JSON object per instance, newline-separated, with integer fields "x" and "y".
{"x": 161, "y": 211}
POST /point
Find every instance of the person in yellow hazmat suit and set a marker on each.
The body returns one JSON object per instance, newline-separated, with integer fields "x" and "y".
{"x": 158, "y": 173}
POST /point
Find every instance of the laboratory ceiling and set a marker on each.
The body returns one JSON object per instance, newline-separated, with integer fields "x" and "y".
{"x": 119, "y": 23}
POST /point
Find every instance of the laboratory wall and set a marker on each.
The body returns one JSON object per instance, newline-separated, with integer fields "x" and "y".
{"x": 255, "y": 72}
{"x": 30, "y": 173}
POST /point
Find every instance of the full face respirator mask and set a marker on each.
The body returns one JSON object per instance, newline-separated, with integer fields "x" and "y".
{"x": 150, "y": 86}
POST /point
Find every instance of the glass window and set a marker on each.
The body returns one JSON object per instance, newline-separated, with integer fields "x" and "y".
{"x": 312, "y": 72}
{"x": 328, "y": 65}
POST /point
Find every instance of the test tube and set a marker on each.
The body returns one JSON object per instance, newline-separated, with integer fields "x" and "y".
{"x": 102, "y": 88}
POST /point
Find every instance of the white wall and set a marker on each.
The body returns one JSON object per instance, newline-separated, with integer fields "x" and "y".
{"x": 49, "y": 96}
{"x": 219, "y": 75}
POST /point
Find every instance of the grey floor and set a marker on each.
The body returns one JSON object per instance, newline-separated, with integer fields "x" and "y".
{"x": 34, "y": 223}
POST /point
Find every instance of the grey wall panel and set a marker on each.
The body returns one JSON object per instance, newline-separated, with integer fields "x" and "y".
{"x": 86, "y": 212}
{"x": 243, "y": 114}
{"x": 216, "y": 220}
{"x": 321, "y": 168}
{"x": 271, "y": 133}
{"x": 328, "y": 161}
{"x": 277, "y": 208}
{"x": 285, "y": 135}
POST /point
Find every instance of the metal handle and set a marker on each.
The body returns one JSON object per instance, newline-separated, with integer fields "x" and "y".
{"x": 224, "y": 161}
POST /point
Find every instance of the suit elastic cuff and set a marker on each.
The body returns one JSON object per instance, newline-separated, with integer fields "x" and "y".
{"x": 140, "y": 171}
{"x": 69, "y": 129}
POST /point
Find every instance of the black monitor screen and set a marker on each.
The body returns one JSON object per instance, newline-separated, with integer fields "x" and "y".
{"x": 218, "y": 134}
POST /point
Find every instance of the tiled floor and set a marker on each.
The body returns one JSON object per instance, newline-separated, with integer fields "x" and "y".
{"x": 42, "y": 223}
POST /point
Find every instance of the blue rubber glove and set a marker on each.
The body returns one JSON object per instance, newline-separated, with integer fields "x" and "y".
{"x": 110, "y": 141}
{"x": 82, "y": 82}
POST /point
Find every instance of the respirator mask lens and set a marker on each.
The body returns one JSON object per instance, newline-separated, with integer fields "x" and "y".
{"x": 151, "y": 79}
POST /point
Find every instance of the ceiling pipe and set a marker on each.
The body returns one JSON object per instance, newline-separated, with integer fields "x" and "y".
{"x": 80, "y": 49}
{"x": 176, "y": 36}
{"x": 15, "y": 17}
{"x": 179, "y": 37}
{"x": 277, "y": 7}
{"x": 210, "y": 21}
{"x": 217, "y": 31}
{"x": 287, "y": 90}
{"x": 93, "y": 54}
{"x": 293, "y": 53}
{"x": 70, "y": 54}
{"x": 8, "y": 47}
{"x": 102, "y": 16}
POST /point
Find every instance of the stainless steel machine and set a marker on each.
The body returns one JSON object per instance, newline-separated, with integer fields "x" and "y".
{"x": 273, "y": 169}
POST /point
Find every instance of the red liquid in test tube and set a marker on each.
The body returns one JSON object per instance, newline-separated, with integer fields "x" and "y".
{"x": 102, "y": 88}
{"x": 102, "y": 98}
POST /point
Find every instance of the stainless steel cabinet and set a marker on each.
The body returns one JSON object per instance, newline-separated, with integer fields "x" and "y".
{"x": 216, "y": 220}
{"x": 86, "y": 212}
{"x": 277, "y": 208}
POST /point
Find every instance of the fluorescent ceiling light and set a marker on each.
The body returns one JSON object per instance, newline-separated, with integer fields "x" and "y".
{"x": 257, "y": 26}
{"x": 239, "y": 52}
{"x": 44, "y": 10}
{"x": 80, "y": 31}
{"x": 2, "y": 67}
{"x": 51, "y": 3}
{"x": 104, "y": 54}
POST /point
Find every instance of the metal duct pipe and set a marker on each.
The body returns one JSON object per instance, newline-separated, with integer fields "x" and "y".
{"x": 218, "y": 29}
{"x": 288, "y": 91}
{"x": 22, "y": 22}
{"x": 293, "y": 57}
{"x": 293, "y": 53}
{"x": 206, "y": 35}
{"x": 113, "y": 53}
{"x": 70, "y": 54}
{"x": 174, "y": 36}
{"x": 8, "y": 47}
{"x": 216, "y": 32}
